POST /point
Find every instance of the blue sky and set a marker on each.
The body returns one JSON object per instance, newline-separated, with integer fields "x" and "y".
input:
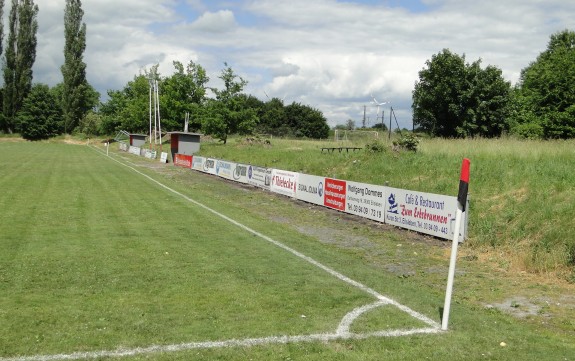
{"x": 329, "y": 54}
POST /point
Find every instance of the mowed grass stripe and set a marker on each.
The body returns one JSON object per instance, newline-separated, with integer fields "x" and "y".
{"x": 95, "y": 257}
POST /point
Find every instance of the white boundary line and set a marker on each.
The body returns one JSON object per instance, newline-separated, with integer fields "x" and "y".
{"x": 342, "y": 332}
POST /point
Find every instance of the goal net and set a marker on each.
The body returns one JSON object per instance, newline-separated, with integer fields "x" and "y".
{"x": 355, "y": 135}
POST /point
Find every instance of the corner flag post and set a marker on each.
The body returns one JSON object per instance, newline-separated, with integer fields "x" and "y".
{"x": 461, "y": 202}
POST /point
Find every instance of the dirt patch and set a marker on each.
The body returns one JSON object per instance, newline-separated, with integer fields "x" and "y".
{"x": 523, "y": 307}
{"x": 520, "y": 307}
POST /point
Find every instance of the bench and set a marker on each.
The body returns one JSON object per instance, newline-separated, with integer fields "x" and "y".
{"x": 340, "y": 149}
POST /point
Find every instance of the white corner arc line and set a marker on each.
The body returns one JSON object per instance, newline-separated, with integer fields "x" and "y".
{"x": 347, "y": 320}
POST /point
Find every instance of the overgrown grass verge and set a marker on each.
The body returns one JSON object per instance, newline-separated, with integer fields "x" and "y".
{"x": 522, "y": 192}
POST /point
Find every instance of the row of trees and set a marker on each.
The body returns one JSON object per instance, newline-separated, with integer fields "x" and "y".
{"x": 40, "y": 112}
{"x": 456, "y": 99}
{"x": 228, "y": 111}
{"x": 451, "y": 99}
{"x": 37, "y": 111}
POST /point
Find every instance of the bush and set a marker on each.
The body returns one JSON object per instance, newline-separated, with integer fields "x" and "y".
{"x": 40, "y": 114}
{"x": 408, "y": 142}
{"x": 528, "y": 131}
{"x": 91, "y": 124}
{"x": 375, "y": 147}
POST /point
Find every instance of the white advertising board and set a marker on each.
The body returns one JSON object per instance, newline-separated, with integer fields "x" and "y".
{"x": 284, "y": 182}
{"x": 164, "y": 157}
{"x": 259, "y": 177}
{"x": 209, "y": 166}
{"x": 124, "y": 146}
{"x": 365, "y": 200}
{"x": 310, "y": 188}
{"x": 225, "y": 169}
{"x": 428, "y": 213}
{"x": 241, "y": 173}
{"x": 198, "y": 162}
{"x": 150, "y": 154}
{"x": 134, "y": 150}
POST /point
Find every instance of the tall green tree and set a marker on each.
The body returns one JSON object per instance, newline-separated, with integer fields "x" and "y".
{"x": 20, "y": 58}
{"x": 455, "y": 99}
{"x": 135, "y": 114}
{"x": 273, "y": 119}
{"x": 545, "y": 98}
{"x": 111, "y": 111}
{"x": 129, "y": 109}
{"x": 2, "y": 127}
{"x": 1, "y": 26}
{"x": 40, "y": 114}
{"x": 306, "y": 121}
{"x": 75, "y": 92}
{"x": 436, "y": 106}
{"x": 229, "y": 115}
{"x": 485, "y": 102}
{"x": 184, "y": 92}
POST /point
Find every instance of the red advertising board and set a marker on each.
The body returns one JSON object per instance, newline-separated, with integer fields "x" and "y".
{"x": 183, "y": 160}
{"x": 335, "y": 191}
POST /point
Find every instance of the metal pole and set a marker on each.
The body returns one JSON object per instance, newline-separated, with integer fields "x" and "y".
{"x": 451, "y": 274}
{"x": 150, "y": 103}
{"x": 159, "y": 118}
{"x": 461, "y": 203}
{"x": 390, "y": 123}
{"x": 382, "y": 122}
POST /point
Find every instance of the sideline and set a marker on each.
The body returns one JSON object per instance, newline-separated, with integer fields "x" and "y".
{"x": 341, "y": 333}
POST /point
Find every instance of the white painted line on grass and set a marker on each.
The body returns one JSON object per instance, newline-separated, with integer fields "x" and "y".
{"x": 342, "y": 332}
{"x": 329, "y": 270}
{"x": 347, "y": 320}
{"x": 249, "y": 342}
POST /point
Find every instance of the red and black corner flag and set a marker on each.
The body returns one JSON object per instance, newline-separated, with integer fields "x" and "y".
{"x": 463, "y": 184}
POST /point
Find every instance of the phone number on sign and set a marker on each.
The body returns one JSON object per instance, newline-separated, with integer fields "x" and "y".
{"x": 434, "y": 228}
{"x": 364, "y": 210}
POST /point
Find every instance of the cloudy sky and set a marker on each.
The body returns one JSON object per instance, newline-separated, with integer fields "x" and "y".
{"x": 328, "y": 54}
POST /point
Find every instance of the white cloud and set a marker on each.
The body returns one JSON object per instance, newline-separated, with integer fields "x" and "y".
{"x": 329, "y": 54}
{"x": 218, "y": 22}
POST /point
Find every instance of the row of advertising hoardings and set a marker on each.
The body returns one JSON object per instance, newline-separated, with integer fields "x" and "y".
{"x": 422, "y": 212}
{"x": 147, "y": 153}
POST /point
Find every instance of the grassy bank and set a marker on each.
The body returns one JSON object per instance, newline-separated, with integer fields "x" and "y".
{"x": 522, "y": 192}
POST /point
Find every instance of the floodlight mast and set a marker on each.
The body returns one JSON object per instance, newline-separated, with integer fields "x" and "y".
{"x": 150, "y": 106}
{"x": 159, "y": 118}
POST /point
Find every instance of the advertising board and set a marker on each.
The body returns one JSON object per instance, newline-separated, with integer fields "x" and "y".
{"x": 310, "y": 188}
{"x": 335, "y": 193}
{"x": 134, "y": 150}
{"x": 225, "y": 169}
{"x": 150, "y": 154}
{"x": 164, "y": 157}
{"x": 259, "y": 177}
{"x": 182, "y": 160}
{"x": 198, "y": 162}
{"x": 209, "y": 166}
{"x": 241, "y": 173}
{"x": 365, "y": 200}
{"x": 284, "y": 182}
{"x": 427, "y": 213}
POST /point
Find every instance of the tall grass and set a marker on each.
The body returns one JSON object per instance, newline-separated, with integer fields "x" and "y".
{"x": 522, "y": 192}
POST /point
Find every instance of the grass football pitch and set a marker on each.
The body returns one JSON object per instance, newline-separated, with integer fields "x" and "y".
{"x": 100, "y": 258}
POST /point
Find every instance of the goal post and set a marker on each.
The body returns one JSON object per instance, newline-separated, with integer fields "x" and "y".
{"x": 355, "y": 135}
